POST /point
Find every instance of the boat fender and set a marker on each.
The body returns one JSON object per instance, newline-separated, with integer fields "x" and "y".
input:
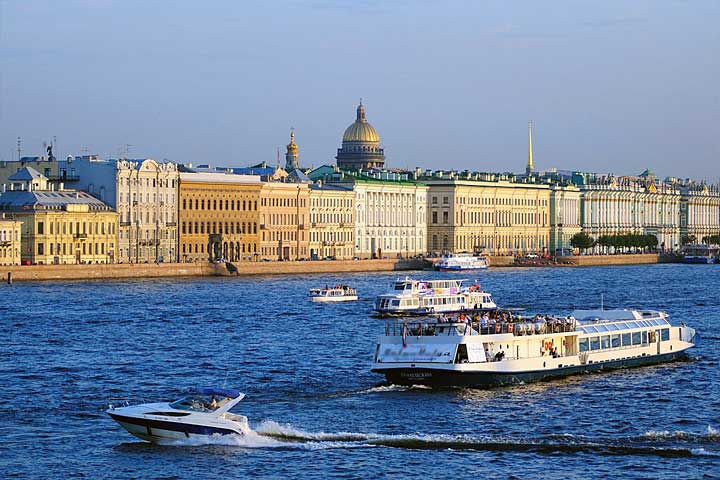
{"x": 510, "y": 328}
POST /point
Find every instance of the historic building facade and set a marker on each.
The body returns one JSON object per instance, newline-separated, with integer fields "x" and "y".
{"x": 390, "y": 217}
{"x": 284, "y": 221}
{"x": 10, "y": 241}
{"x": 564, "y": 216}
{"x": 699, "y": 212}
{"x": 219, "y": 216}
{"x": 61, "y": 226}
{"x": 496, "y": 217}
{"x": 361, "y": 148}
{"x": 631, "y": 205}
{"x": 332, "y": 221}
{"x": 144, "y": 193}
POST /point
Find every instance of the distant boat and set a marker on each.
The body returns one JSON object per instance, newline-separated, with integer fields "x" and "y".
{"x": 700, "y": 254}
{"x": 461, "y": 262}
{"x": 341, "y": 293}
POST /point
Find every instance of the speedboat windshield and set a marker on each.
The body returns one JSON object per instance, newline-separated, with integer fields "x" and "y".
{"x": 200, "y": 403}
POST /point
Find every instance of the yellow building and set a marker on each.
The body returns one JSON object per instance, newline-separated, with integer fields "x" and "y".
{"x": 332, "y": 221}
{"x": 489, "y": 215}
{"x": 219, "y": 216}
{"x": 9, "y": 241}
{"x": 284, "y": 217}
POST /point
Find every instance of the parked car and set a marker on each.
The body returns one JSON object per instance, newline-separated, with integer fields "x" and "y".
{"x": 531, "y": 255}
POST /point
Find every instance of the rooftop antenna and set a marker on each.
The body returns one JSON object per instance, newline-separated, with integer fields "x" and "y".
{"x": 54, "y": 143}
{"x": 278, "y": 157}
{"x": 127, "y": 150}
{"x": 19, "y": 147}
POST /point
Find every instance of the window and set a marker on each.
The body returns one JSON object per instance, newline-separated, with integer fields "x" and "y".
{"x": 434, "y": 217}
{"x": 445, "y": 217}
{"x": 615, "y": 341}
{"x": 595, "y": 343}
{"x": 626, "y": 339}
{"x": 605, "y": 341}
{"x": 584, "y": 345}
{"x": 665, "y": 334}
{"x": 645, "y": 337}
{"x": 40, "y": 228}
{"x": 636, "y": 338}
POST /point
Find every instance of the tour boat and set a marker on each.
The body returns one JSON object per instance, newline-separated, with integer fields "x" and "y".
{"x": 202, "y": 412}
{"x": 339, "y": 293}
{"x": 700, "y": 254}
{"x": 461, "y": 261}
{"x": 496, "y": 352}
{"x": 423, "y": 297}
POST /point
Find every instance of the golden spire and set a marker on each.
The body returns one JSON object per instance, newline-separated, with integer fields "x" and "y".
{"x": 530, "y": 167}
{"x": 361, "y": 113}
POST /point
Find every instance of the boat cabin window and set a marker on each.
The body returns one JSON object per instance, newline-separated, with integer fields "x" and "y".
{"x": 645, "y": 337}
{"x": 584, "y": 345}
{"x": 200, "y": 403}
{"x": 626, "y": 339}
{"x": 595, "y": 343}
{"x": 636, "y": 338}
{"x": 615, "y": 341}
{"x": 665, "y": 334}
{"x": 605, "y": 341}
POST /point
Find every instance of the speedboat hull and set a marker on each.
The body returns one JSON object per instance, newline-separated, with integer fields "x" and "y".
{"x": 158, "y": 430}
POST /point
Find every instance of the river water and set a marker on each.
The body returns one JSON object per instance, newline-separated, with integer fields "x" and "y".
{"x": 315, "y": 408}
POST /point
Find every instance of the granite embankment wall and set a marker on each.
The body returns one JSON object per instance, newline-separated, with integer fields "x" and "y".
{"x": 501, "y": 260}
{"x": 120, "y": 271}
{"x": 600, "y": 260}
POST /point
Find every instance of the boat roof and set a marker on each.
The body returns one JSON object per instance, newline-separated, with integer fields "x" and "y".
{"x": 221, "y": 392}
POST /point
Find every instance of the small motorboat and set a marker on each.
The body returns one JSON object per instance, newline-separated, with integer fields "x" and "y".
{"x": 201, "y": 412}
{"x": 338, "y": 293}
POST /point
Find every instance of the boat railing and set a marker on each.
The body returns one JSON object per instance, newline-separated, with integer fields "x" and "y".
{"x": 440, "y": 328}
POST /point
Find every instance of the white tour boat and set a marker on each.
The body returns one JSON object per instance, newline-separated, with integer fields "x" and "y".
{"x": 423, "y": 297}
{"x": 496, "y": 352}
{"x": 338, "y": 293}
{"x": 201, "y": 413}
{"x": 455, "y": 262}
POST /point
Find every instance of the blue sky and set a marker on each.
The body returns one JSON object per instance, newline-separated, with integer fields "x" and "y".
{"x": 611, "y": 86}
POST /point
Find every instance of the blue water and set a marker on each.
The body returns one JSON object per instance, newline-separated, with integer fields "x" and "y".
{"x": 67, "y": 348}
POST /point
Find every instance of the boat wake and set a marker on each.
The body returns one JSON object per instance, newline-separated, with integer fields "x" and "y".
{"x": 273, "y": 435}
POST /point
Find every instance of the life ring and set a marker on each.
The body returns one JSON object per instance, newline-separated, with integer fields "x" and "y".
{"x": 510, "y": 328}
{"x": 497, "y": 328}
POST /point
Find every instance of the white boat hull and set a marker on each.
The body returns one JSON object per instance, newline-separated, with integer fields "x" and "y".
{"x": 346, "y": 298}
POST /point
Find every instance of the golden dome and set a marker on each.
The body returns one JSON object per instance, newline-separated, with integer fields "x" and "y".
{"x": 361, "y": 130}
{"x": 292, "y": 147}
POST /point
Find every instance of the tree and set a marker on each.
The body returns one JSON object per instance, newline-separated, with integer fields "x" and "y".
{"x": 582, "y": 241}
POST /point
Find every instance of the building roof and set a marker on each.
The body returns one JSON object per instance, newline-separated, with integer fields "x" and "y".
{"x": 26, "y": 174}
{"x": 23, "y": 200}
{"x": 207, "y": 177}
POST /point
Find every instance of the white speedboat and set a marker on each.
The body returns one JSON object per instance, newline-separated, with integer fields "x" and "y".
{"x": 427, "y": 297}
{"x": 201, "y": 413}
{"x": 456, "y": 262}
{"x": 339, "y": 293}
{"x": 700, "y": 254}
{"x": 501, "y": 350}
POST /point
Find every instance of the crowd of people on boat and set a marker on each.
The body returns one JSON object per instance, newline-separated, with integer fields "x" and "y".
{"x": 506, "y": 322}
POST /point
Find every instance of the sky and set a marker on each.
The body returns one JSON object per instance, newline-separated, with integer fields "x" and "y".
{"x": 611, "y": 86}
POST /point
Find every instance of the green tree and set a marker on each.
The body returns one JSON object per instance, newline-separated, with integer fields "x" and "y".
{"x": 582, "y": 240}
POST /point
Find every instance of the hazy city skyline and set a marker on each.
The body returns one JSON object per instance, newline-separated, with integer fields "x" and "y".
{"x": 610, "y": 87}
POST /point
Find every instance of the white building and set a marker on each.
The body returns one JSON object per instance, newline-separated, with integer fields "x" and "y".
{"x": 564, "y": 215}
{"x": 390, "y": 217}
{"x": 144, "y": 194}
{"x": 699, "y": 212}
{"x": 631, "y": 205}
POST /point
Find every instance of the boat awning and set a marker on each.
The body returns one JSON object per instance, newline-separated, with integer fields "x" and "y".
{"x": 220, "y": 392}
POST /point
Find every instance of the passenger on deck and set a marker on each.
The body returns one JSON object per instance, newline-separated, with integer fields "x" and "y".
{"x": 213, "y": 403}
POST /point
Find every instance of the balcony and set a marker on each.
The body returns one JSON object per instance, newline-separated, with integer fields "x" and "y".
{"x": 125, "y": 224}
{"x": 301, "y": 227}
{"x": 262, "y": 226}
{"x": 5, "y": 243}
{"x": 149, "y": 243}
{"x": 80, "y": 236}
{"x": 171, "y": 224}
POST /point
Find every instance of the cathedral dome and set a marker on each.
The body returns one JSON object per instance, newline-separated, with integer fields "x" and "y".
{"x": 361, "y": 130}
